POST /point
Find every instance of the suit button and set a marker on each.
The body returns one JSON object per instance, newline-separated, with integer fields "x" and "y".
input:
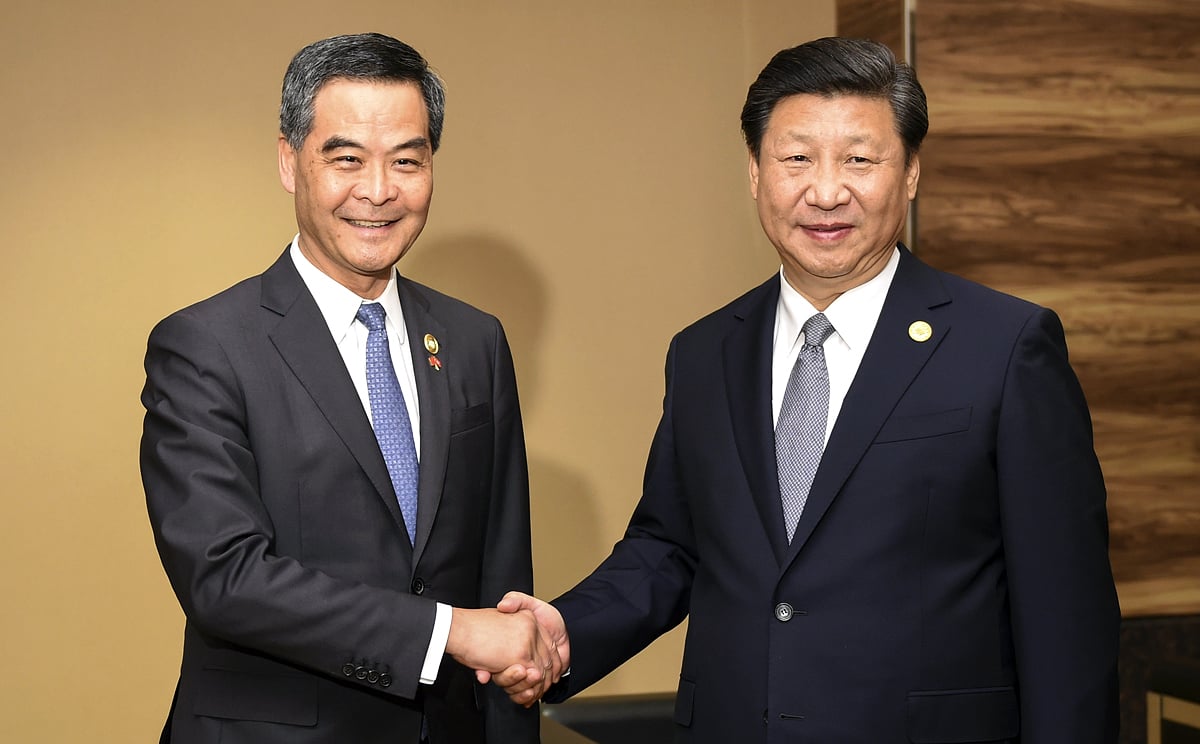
{"x": 348, "y": 669}
{"x": 385, "y": 680}
{"x": 372, "y": 676}
{"x": 783, "y": 612}
{"x": 418, "y": 585}
{"x": 360, "y": 673}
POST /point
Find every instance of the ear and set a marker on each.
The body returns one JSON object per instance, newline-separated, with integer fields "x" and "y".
{"x": 287, "y": 165}
{"x": 753, "y": 175}
{"x": 913, "y": 175}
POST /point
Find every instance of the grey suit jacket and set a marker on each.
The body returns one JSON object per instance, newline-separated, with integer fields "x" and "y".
{"x": 308, "y": 610}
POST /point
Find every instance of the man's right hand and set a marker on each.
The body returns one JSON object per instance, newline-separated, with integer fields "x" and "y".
{"x": 515, "y": 680}
{"x": 490, "y": 641}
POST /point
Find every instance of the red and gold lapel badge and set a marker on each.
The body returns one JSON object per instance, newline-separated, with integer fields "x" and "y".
{"x": 432, "y": 346}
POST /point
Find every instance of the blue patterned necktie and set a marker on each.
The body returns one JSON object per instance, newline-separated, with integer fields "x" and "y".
{"x": 389, "y": 414}
{"x": 803, "y": 416}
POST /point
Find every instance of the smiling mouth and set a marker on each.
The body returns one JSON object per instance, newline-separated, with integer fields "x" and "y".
{"x": 371, "y": 223}
{"x": 825, "y": 228}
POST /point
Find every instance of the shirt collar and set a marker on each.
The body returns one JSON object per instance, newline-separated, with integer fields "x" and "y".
{"x": 338, "y": 305}
{"x": 853, "y": 314}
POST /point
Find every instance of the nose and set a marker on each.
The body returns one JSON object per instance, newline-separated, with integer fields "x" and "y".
{"x": 376, "y": 185}
{"x": 828, "y": 189}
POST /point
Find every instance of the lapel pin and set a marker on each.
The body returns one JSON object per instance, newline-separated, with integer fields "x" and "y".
{"x": 435, "y": 363}
{"x": 920, "y": 331}
{"x": 431, "y": 344}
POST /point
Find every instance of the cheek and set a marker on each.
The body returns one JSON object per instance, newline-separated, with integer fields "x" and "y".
{"x": 418, "y": 195}
{"x": 780, "y": 199}
{"x": 327, "y": 189}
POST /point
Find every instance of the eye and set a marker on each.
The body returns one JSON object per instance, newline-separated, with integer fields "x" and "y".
{"x": 408, "y": 165}
{"x": 797, "y": 159}
{"x": 858, "y": 160}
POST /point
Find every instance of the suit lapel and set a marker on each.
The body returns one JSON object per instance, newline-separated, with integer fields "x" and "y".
{"x": 891, "y": 362}
{"x": 747, "y": 360}
{"x": 304, "y": 343}
{"x": 433, "y": 395}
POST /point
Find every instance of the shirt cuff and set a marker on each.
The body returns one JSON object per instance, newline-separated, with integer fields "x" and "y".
{"x": 437, "y": 644}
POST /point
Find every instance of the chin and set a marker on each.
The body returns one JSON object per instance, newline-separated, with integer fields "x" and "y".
{"x": 378, "y": 256}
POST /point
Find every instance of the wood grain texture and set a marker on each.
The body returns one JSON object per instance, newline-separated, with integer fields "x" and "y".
{"x": 881, "y": 20}
{"x": 1062, "y": 166}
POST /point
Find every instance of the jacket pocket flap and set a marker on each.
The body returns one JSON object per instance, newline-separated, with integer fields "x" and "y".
{"x": 683, "y": 702}
{"x": 271, "y": 698}
{"x": 955, "y": 716}
{"x": 900, "y": 428}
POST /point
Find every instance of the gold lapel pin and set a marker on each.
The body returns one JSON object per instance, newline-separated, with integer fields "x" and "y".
{"x": 920, "y": 331}
{"x": 431, "y": 344}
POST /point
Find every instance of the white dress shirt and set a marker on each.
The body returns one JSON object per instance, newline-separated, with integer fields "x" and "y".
{"x": 853, "y": 316}
{"x": 339, "y": 306}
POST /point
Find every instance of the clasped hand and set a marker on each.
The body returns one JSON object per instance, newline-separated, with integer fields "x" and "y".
{"x": 521, "y": 645}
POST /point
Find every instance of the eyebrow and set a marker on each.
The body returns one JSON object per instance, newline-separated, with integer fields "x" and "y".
{"x": 801, "y": 136}
{"x": 337, "y": 142}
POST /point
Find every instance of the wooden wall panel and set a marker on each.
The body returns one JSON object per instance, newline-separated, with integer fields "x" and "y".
{"x": 1063, "y": 165}
{"x": 884, "y": 21}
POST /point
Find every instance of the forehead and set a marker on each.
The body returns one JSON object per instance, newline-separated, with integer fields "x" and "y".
{"x": 820, "y": 117}
{"x": 345, "y": 102}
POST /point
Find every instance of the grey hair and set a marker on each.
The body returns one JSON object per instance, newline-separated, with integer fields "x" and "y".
{"x": 370, "y": 57}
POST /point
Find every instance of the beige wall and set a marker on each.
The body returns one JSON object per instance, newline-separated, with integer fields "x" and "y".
{"x": 591, "y": 191}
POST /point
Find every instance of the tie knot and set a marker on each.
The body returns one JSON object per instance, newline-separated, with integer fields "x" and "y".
{"x": 372, "y": 315}
{"x": 816, "y": 330}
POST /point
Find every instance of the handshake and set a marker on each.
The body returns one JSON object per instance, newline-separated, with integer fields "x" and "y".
{"x": 521, "y": 645}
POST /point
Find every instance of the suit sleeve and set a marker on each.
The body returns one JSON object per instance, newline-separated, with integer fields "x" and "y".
{"x": 215, "y": 536}
{"x": 507, "y": 555}
{"x": 1065, "y": 616}
{"x": 643, "y": 589}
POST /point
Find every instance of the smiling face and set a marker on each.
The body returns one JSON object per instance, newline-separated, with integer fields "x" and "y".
{"x": 833, "y": 190}
{"x": 362, "y": 180}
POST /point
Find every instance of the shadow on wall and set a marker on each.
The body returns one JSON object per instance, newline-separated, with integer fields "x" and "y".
{"x": 495, "y": 276}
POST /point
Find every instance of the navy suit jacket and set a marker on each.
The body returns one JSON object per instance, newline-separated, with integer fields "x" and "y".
{"x": 309, "y": 612}
{"x": 949, "y": 578}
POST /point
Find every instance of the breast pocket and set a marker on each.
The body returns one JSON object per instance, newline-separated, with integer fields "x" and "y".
{"x": 924, "y": 426}
{"x": 463, "y": 420}
{"x": 469, "y": 461}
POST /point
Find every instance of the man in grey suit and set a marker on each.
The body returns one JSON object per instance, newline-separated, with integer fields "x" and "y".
{"x": 333, "y": 456}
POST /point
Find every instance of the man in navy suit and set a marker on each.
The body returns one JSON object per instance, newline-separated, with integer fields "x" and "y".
{"x": 333, "y": 456}
{"x": 943, "y": 576}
